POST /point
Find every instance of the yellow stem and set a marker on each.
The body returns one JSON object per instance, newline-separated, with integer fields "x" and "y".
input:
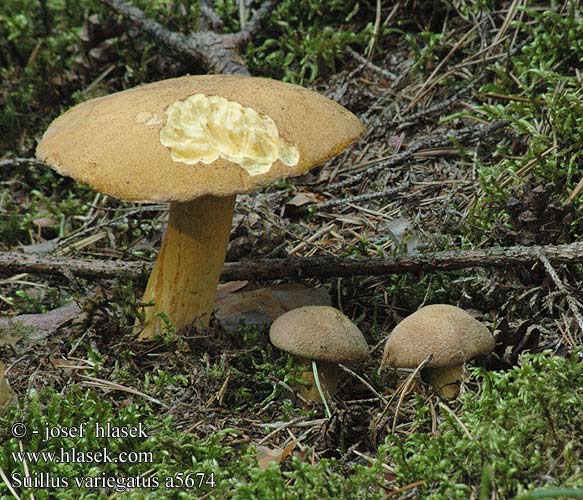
{"x": 183, "y": 283}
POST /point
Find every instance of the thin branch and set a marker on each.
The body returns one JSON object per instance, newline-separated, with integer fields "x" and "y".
{"x": 214, "y": 50}
{"x": 442, "y": 105}
{"x": 176, "y": 41}
{"x": 306, "y": 267}
{"x": 571, "y": 301}
{"x": 466, "y": 135}
{"x": 18, "y": 162}
{"x": 368, "y": 64}
{"x": 322, "y": 207}
{"x": 212, "y": 19}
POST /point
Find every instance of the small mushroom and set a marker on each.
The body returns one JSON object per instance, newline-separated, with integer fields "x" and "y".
{"x": 449, "y": 334}
{"x": 195, "y": 142}
{"x": 320, "y": 334}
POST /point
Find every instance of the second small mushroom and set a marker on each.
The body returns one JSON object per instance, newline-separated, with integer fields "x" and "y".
{"x": 447, "y": 333}
{"x": 321, "y": 334}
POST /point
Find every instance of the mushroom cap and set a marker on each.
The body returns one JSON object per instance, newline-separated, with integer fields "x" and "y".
{"x": 320, "y": 333}
{"x": 116, "y": 143}
{"x": 447, "y": 332}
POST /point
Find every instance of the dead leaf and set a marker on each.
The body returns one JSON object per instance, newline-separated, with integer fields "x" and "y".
{"x": 7, "y": 395}
{"x": 35, "y": 326}
{"x": 225, "y": 289}
{"x": 262, "y": 306}
{"x": 254, "y": 308}
{"x": 10, "y": 335}
{"x": 402, "y": 232}
{"x": 43, "y": 247}
{"x": 266, "y": 455}
{"x": 294, "y": 295}
{"x": 396, "y": 142}
{"x": 300, "y": 200}
{"x": 398, "y": 227}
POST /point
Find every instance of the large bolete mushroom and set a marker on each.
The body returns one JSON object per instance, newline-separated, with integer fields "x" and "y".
{"x": 321, "y": 334}
{"x": 195, "y": 142}
{"x": 450, "y": 334}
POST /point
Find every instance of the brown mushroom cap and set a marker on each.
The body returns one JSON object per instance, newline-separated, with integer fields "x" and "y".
{"x": 114, "y": 143}
{"x": 320, "y": 333}
{"x": 447, "y": 332}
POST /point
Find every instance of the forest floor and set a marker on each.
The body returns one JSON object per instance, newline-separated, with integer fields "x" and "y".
{"x": 474, "y": 121}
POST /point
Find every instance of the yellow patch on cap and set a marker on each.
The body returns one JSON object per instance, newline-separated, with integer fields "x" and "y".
{"x": 205, "y": 128}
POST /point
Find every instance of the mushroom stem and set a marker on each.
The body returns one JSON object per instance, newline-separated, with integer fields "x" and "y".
{"x": 183, "y": 283}
{"x": 328, "y": 375}
{"x": 446, "y": 380}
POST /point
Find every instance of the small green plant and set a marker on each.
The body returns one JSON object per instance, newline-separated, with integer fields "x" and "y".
{"x": 303, "y": 40}
{"x": 257, "y": 370}
{"x": 543, "y": 104}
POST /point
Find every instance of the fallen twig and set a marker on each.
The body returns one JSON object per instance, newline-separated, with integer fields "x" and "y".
{"x": 373, "y": 67}
{"x": 466, "y": 135}
{"x": 355, "y": 199}
{"x": 571, "y": 301}
{"x": 306, "y": 267}
{"x": 17, "y": 162}
{"x": 218, "y": 51}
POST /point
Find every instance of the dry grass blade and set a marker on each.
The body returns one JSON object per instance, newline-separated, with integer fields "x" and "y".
{"x": 363, "y": 381}
{"x": 404, "y": 488}
{"x": 405, "y": 388}
{"x": 457, "y": 419}
{"x": 571, "y": 301}
{"x": 25, "y": 466}
{"x": 8, "y": 484}
{"x": 284, "y": 426}
{"x": 112, "y": 386}
{"x": 430, "y": 80}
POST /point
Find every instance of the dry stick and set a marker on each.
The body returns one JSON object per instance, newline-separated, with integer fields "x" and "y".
{"x": 452, "y": 51}
{"x": 373, "y": 67}
{"x": 571, "y": 301}
{"x": 219, "y": 52}
{"x": 442, "y": 105}
{"x": 18, "y": 162}
{"x": 405, "y": 387}
{"x": 209, "y": 16}
{"x": 363, "y": 381}
{"x": 468, "y": 134}
{"x": 306, "y": 267}
{"x": 354, "y": 199}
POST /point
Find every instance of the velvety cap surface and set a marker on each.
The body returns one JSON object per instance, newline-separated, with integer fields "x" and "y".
{"x": 182, "y": 138}
{"x": 447, "y": 332}
{"x": 319, "y": 332}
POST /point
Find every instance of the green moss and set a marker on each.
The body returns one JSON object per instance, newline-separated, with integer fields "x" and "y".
{"x": 543, "y": 105}
{"x": 522, "y": 429}
{"x": 525, "y": 426}
{"x": 168, "y": 453}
